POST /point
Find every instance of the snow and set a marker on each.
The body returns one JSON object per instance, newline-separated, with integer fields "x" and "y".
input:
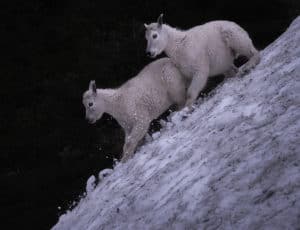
{"x": 234, "y": 163}
{"x": 90, "y": 184}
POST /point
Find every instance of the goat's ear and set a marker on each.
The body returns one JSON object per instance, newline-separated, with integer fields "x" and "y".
{"x": 160, "y": 20}
{"x": 93, "y": 86}
{"x": 146, "y": 26}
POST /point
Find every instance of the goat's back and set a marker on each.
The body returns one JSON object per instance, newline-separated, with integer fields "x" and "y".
{"x": 157, "y": 86}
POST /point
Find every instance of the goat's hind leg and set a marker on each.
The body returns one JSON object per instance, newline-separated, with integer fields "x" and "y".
{"x": 246, "y": 48}
{"x": 253, "y": 59}
{"x": 238, "y": 40}
{"x": 231, "y": 72}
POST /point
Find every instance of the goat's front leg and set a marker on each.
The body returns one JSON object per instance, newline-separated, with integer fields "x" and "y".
{"x": 197, "y": 85}
{"x": 132, "y": 139}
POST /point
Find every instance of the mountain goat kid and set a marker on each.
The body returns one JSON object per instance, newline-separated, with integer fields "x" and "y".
{"x": 202, "y": 51}
{"x": 137, "y": 102}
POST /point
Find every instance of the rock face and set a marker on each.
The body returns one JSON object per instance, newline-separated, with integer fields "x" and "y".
{"x": 234, "y": 163}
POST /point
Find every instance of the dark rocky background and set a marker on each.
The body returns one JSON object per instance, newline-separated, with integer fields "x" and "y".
{"x": 50, "y": 51}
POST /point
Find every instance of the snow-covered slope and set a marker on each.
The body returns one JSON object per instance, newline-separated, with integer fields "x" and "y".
{"x": 234, "y": 163}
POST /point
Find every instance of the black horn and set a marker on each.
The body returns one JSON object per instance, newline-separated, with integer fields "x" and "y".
{"x": 160, "y": 19}
{"x": 93, "y": 86}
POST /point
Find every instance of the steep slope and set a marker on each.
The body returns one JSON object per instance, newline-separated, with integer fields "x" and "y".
{"x": 234, "y": 163}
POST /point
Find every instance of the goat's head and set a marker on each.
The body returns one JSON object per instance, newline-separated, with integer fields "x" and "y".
{"x": 93, "y": 103}
{"x": 156, "y": 38}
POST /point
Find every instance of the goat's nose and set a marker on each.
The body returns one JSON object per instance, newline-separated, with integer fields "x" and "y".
{"x": 148, "y": 53}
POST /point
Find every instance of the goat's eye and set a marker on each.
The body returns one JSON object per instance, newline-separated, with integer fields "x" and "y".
{"x": 154, "y": 36}
{"x": 90, "y": 104}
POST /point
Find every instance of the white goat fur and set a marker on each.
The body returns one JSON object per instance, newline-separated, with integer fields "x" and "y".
{"x": 202, "y": 51}
{"x": 137, "y": 102}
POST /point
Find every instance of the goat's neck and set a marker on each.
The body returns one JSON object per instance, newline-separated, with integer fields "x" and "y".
{"x": 176, "y": 38}
{"x": 112, "y": 101}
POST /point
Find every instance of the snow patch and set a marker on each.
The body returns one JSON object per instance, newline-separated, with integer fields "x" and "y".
{"x": 90, "y": 184}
